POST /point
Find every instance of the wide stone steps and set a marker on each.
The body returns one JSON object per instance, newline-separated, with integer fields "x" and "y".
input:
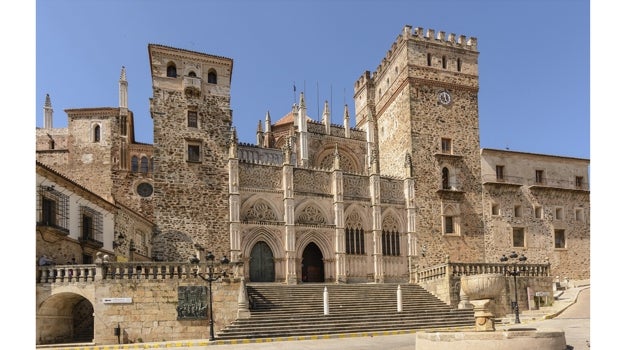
{"x": 298, "y": 310}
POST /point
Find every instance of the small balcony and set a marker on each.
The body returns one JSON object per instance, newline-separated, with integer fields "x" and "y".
{"x": 192, "y": 85}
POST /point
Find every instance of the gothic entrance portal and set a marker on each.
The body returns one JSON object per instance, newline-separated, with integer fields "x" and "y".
{"x": 261, "y": 265}
{"x": 312, "y": 264}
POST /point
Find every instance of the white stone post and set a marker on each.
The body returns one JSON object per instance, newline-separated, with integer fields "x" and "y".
{"x": 399, "y": 299}
{"x": 325, "y": 302}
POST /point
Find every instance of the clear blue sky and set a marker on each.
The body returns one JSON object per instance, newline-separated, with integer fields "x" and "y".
{"x": 533, "y": 63}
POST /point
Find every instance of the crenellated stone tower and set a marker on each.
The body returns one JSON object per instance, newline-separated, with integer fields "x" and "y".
{"x": 421, "y": 104}
{"x": 192, "y": 119}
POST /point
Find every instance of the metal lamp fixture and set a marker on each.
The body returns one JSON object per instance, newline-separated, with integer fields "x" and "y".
{"x": 515, "y": 272}
{"x": 210, "y": 276}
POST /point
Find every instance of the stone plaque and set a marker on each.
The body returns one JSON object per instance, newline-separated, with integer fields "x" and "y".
{"x": 192, "y": 302}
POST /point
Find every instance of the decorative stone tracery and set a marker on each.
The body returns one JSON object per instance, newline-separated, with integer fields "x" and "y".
{"x": 260, "y": 211}
{"x": 311, "y": 215}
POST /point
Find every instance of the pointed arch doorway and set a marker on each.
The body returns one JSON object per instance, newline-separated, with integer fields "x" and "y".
{"x": 261, "y": 264}
{"x": 312, "y": 264}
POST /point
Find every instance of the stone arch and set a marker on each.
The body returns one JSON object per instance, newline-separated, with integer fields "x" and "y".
{"x": 310, "y": 236}
{"x": 259, "y": 209}
{"x": 195, "y": 70}
{"x": 212, "y": 76}
{"x": 53, "y": 314}
{"x": 391, "y": 233}
{"x": 395, "y": 215}
{"x": 324, "y": 244}
{"x": 172, "y": 70}
{"x": 97, "y": 132}
{"x": 451, "y": 219}
{"x": 308, "y": 212}
{"x": 272, "y": 239}
{"x": 364, "y": 218}
{"x": 448, "y": 177}
{"x": 348, "y": 160}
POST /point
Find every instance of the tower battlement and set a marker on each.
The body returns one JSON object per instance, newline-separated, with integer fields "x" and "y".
{"x": 429, "y": 36}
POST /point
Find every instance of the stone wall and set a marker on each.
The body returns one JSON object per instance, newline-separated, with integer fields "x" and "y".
{"x": 147, "y": 314}
{"x": 190, "y": 198}
{"x": 512, "y": 202}
{"x": 152, "y": 315}
{"x": 90, "y": 161}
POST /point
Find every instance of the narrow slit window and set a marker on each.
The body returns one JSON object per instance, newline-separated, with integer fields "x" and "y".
{"x": 96, "y": 133}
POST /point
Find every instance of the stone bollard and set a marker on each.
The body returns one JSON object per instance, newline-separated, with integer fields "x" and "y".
{"x": 399, "y": 299}
{"x": 325, "y": 302}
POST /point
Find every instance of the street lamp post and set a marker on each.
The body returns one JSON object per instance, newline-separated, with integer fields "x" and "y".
{"x": 515, "y": 272}
{"x": 210, "y": 276}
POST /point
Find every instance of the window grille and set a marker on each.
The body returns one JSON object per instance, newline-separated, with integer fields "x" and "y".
{"x": 91, "y": 225}
{"x": 52, "y": 208}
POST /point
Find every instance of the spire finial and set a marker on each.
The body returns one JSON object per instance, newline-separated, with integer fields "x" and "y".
{"x": 123, "y": 73}
{"x": 301, "y": 100}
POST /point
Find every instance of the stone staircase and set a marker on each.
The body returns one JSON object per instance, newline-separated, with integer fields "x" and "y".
{"x": 297, "y": 310}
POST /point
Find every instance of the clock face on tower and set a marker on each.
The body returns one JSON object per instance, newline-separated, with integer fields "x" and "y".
{"x": 444, "y": 97}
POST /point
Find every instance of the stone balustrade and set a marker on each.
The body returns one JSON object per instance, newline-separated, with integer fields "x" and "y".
{"x": 66, "y": 273}
{"x": 451, "y": 269}
{"x": 129, "y": 270}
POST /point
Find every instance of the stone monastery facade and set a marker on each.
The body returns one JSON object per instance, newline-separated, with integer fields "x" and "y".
{"x": 311, "y": 201}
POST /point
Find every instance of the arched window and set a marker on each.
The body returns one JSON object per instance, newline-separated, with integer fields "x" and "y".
{"x": 451, "y": 219}
{"x": 134, "y": 164}
{"x": 444, "y": 62}
{"x": 96, "y": 133}
{"x": 51, "y": 144}
{"x": 459, "y": 64}
{"x": 429, "y": 59}
{"x": 390, "y": 237}
{"x": 172, "y": 71}
{"x": 192, "y": 74}
{"x": 354, "y": 235}
{"x": 445, "y": 179}
{"x": 212, "y": 77}
{"x": 144, "y": 165}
